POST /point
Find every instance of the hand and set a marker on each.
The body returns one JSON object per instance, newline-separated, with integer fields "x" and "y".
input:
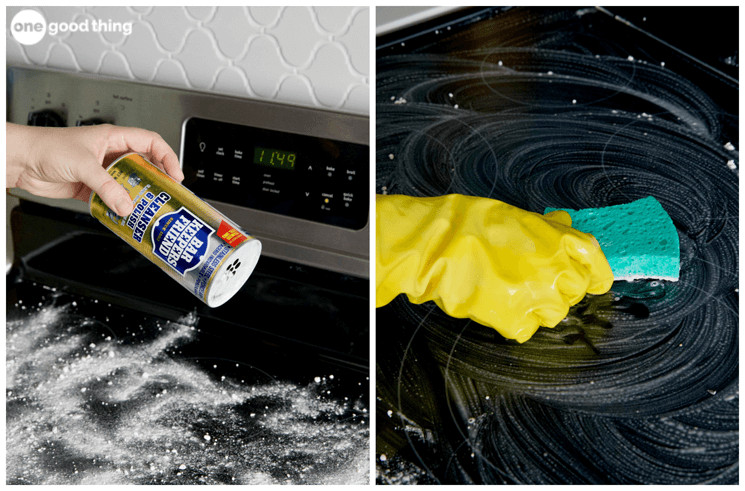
{"x": 71, "y": 162}
{"x": 483, "y": 259}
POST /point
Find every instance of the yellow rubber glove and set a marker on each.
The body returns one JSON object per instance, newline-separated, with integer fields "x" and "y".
{"x": 483, "y": 259}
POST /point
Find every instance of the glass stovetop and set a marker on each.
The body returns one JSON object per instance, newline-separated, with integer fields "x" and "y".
{"x": 567, "y": 108}
{"x": 115, "y": 375}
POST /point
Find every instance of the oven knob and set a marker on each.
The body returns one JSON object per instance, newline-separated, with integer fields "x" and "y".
{"x": 91, "y": 122}
{"x": 45, "y": 117}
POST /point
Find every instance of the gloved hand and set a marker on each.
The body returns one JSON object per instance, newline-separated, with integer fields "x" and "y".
{"x": 483, "y": 259}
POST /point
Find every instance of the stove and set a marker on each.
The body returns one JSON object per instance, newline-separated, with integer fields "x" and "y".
{"x": 115, "y": 374}
{"x": 567, "y": 108}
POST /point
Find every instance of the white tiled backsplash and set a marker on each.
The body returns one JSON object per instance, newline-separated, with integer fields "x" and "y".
{"x": 310, "y": 56}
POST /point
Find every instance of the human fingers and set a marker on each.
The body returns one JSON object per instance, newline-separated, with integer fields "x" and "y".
{"x": 559, "y": 216}
{"x": 585, "y": 249}
{"x": 572, "y": 282}
{"x": 517, "y": 326}
{"x": 549, "y": 308}
{"x": 148, "y": 143}
{"x": 111, "y": 192}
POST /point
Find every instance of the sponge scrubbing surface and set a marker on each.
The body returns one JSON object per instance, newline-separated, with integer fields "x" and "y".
{"x": 638, "y": 238}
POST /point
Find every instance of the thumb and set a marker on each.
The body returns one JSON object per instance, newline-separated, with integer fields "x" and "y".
{"x": 559, "y": 216}
{"x": 114, "y": 195}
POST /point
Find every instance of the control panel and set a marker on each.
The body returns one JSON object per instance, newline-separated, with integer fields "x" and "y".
{"x": 57, "y": 118}
{"x": 295, "y": 177}
{"x": 300, "y": 176}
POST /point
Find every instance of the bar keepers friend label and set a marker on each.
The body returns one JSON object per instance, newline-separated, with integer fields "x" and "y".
{"x": 195, "y": 244}
{"x": 180, "y": 239}
{"x": 145, "y": 210}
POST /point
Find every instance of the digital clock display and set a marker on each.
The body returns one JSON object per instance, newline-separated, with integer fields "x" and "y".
{"x": 271, "y": 157}
{"x": 295, "y": 175}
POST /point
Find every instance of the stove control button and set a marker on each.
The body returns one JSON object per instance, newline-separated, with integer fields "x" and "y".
{"x": 45, "y": 117}
{"x": 91, "y": 122}
{"x": 348, "y": 198}
{"x": 313, "y": 169}
{"x": 327, "y": 201}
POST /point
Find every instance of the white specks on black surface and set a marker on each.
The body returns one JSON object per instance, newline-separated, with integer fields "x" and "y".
{"x": 87, "y": 406}
{"x": 636, "y": 386}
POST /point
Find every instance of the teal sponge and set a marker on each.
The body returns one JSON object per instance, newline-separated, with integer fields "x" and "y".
{"x": 638, "y": 238}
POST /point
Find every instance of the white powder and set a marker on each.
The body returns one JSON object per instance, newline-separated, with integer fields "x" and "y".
{"x": 86, "y": 407}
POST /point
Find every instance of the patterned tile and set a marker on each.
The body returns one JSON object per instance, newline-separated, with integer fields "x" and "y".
{"x": 233, "y": 31}
{"x": 312, "y": 56}
{"x": 264, "y": 66}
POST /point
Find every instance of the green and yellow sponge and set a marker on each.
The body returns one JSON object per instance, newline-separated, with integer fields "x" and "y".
{"x": 638, "y": 238}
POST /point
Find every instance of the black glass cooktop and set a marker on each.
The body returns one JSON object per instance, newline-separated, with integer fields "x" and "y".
{"x": 116, "y": 374}
{"x": 570, "y": 108}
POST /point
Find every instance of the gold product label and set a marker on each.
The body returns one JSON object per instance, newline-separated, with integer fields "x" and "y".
{"x": 170, "y": 225}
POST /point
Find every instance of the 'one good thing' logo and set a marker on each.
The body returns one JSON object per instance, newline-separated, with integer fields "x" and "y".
{"x": 29, "y": 27}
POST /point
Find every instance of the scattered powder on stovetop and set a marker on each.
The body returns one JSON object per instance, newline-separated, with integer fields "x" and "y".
{"x": 101, "y": 411}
